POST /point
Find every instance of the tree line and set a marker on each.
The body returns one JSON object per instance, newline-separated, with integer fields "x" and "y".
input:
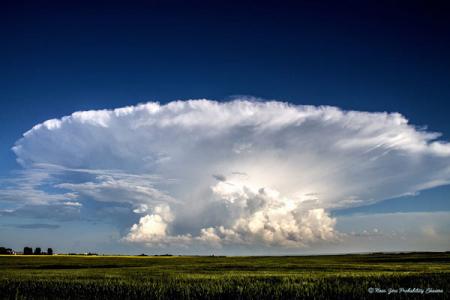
{"x": 37, "y": 251}
{"x": 4, "y": 250}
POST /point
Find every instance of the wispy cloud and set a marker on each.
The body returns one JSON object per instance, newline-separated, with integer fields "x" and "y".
{"x": 37, "y": 226}
{"x": 396, "y": 231}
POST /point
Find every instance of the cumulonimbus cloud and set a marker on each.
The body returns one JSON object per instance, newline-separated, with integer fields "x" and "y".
{"x": 240, "y": 171}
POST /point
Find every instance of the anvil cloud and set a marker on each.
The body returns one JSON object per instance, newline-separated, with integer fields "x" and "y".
{"x": 239, "y": 172}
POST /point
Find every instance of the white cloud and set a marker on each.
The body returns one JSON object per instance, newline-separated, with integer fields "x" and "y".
{"x": 71, "y": 203}
{"x": 28, "y": 187}
{"x": 135, "y": 190}
{"x": 281, "y": 167}
{"x": 151, "y": 228}
{"x": 265, "y": 216}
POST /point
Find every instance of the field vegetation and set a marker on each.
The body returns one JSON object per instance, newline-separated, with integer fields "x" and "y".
{"x": 190, "y": 277}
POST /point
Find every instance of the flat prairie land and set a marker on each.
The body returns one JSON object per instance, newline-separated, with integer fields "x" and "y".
{"x": 356, "y": 276}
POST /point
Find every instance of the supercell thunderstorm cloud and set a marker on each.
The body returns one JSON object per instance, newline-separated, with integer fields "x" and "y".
{"x": 221, "y": 173}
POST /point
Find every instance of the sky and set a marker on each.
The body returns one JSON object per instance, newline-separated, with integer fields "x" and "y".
{"x": 225, "y": 127}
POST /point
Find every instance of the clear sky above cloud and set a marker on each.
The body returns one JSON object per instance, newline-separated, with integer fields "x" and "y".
{"x": 352, "y": 155}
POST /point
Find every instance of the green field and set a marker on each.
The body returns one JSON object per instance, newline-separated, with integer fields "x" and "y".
{"x": 158, "y": 277}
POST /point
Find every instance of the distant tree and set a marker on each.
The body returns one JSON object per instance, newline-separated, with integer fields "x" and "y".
{"x": 50, "y": 251}
{"x": 37, "y": 251}
{"x": 8, "y": 251}
{"x": 27, "y": 250}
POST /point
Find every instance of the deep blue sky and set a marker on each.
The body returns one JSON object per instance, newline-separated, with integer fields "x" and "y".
{"x": 57, "y": 58}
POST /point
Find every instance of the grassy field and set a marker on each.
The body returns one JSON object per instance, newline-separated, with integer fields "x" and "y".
{"x": 157, "y": 277}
